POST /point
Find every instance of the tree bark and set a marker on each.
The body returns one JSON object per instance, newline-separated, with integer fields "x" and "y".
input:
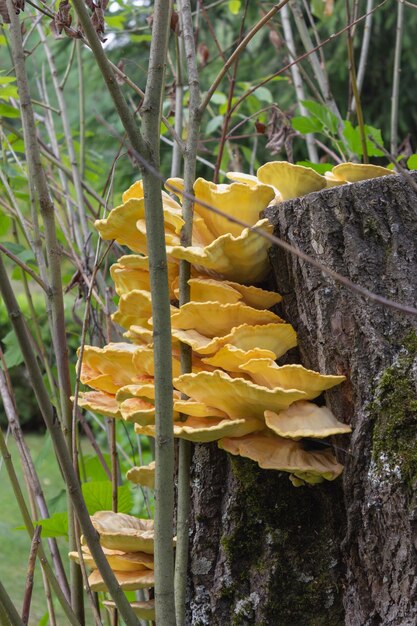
{"x": 264, "y": 553}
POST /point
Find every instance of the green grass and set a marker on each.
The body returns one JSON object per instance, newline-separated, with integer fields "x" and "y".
{"x": 15, "y": 544}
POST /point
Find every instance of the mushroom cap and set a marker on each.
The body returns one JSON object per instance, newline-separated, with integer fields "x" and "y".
{"x": 132, "y": 272}
{"x": 135, "y": 308}
{"x": 333, "y": 181}
{"x": 354, "y": 172}
{"x": 241, "y": 177}
{"x": 206, "y": 289}
{"x": 230, "y": 358}
{"x": 278, "y": 338}
{"x": 109, "y": 368}
{"x": 128, "y": 581}
{"x": 143, "y": 475}
{"x": 216, "y": 320}
{"x": 120, "y": 561}
{"x": 208, "y": 429}
{"x": 235, "y": 396}
{"x": 305, "y": 419}
{"x": 125, "y": 224}
{"x": 99, "y": 402}
{"x": 292, "y": 181}
{"x": 119, "y": 531}
{"x": 193, "y": 408}
{"x": 237, "y": 200}
{"x": 243, "y": 258}
{"x": 267, "y": 372}
{"x": 286, "y": 455}
{"x": 143, "y": 610}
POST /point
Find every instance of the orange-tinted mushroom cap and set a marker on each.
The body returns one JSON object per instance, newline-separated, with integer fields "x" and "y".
{"x": 128, "y": 581}
{"x": 99, "y": 402}
{"x": 143, "y": 475}
{"x": 144, "y": 610}
{"x": 119, "y": 531}
{"x": 305, "y": 419}
{"x": 286, "y": 455}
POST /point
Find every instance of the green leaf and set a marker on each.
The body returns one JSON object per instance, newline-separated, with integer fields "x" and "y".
{"x": 54, "y": 526}
{"x": 234, "y": 6}
{"x": 305, "y": 125}
{"x": 322, "y": 113}
{"x": 93, "y": 468}
{"x": 321, "y": 168}
{"x": 98, "y": 496}
{"x": 353, "y": 138}
{"x": 218, "y": 98}
{"x": 44, "y": 621}
{"x": 5, "y": 223}
{"x": 264, "y": 95}
{"x": 214, "y": 124}
{"x": 5, "y": 80}
{"x": 412, "y": 162}
{"x": 8, "y": 111}
{"x": 139, "y": 38}
{"x": 116, "y": 21}
{"x": 8, "y": 92}
{"x": 12, "y": 353}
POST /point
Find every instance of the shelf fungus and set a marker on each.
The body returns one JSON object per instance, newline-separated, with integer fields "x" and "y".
{"x": 291, "y": 181}
{"x": 144, "y": 609}
{"x": 305, "y": 419}
{"x": 117, "y": 559}
{"x": 222, "y": 247}
{"x": 132, "y": 272}
{"x": 355, "y": 172}
{"x": 128, "y": 581}
{"x": 286, "y": 455}
{"x": 206, "y": 289}
{"x": 119, "y": 531}
{"x": 143, "y": 475}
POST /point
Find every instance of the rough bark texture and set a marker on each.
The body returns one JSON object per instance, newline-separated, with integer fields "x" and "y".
{"x": 264, "y": 553}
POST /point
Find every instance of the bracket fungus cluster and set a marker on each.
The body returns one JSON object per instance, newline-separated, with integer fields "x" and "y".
{"x": 236, "y": 394}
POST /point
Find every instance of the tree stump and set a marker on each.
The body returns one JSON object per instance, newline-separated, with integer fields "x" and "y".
{"x": 264, "y": 553}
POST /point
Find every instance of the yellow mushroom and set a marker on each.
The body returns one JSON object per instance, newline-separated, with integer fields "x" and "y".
{"x": 305, "y": 419}
{"x": 235, "y": 396}
{"x": 230, "y": 358}
{"x": 243, "y": 258}
{"x": 119, "y": 531}
{"x": 144, "y": 610}
{"x": 99, "y": 402}
{"x": 267, "y": 372}
{"x": 207, "y": 429}
{"x": 128, "y": 581}
{"x": 118, "y": 560}
{"x": 292, "y": 181}
{"x": 143, "y": 475}
{"x": 354, "y": 172}
{"x": 276, "y": 453}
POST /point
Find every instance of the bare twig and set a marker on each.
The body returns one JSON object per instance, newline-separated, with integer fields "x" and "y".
{"x": 30, "y": 575}
{"x": 396, "y": 77}
{"x": 24, "y": 267}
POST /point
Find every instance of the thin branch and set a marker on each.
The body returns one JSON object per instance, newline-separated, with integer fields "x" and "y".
{"x": 396, "y": 77}
{"x": 24, "y": 267}
{"x": 164, "y": 436}
{"x": 366, "y": 40}
{"x": 9, "y": 609}
{"x": 30, "y": 575}
{"x": 297, "y": 80}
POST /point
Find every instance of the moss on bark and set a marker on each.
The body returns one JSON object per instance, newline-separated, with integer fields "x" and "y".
{"x": 394, "y": 411}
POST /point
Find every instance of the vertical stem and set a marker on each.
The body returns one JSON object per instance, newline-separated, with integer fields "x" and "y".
{"x": 366, "y": 39}
{"x": 396, "y": 78}
{"x": 164, "y": 437}
{"x": 30, "y": 575}
{"x": 352, "y": 74}
{"x": 179, "y": 111}
{"x": 297, "y": 80}
{"x": 190, "y": 155}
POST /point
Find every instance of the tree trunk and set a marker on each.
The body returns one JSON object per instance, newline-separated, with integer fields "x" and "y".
{"x": 264, "y": 553}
